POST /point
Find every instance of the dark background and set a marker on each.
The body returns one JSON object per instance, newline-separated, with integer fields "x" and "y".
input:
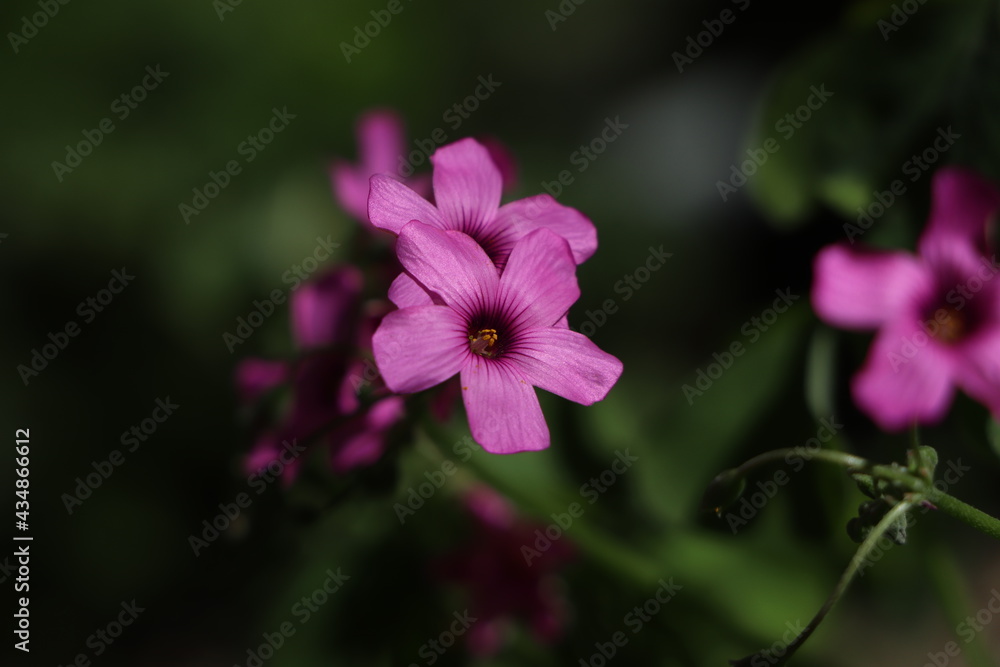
{"x": 655, "y": 185}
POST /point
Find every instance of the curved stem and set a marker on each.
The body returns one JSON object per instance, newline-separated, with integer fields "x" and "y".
{"x": 860, "y": 557}
{"x": 840, "y": 458}
{"x": 915, "y": 484}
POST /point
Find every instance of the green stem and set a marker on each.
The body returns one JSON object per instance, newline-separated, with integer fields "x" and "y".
{"x": 840, "y": 458}
{"x": 914, "y": 484}
{"x": 978, "y": 519}
{"x": 860, "y": 556}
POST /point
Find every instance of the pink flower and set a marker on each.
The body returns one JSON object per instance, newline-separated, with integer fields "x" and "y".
{"x": 937, "y": 313}
{"x": 325, "y": 327}
{"x": 503, "y": 159}
{"x": 501, "y": 584}
{"x": 467, "y": 189}
{"x": 963, "y": 204}
{"x": 499, "y": 333}
{"x": 381, "y": 150}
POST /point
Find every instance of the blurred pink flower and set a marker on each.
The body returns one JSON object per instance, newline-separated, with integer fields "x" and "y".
{"x": 381, "y": 150}
{"x": 963, "y": 204}
{"x": 937, "y": 313}
{"x": 326, "y": 328}
{"x": 503, "y": 159}
{"x": 501, "y": 585}
{"x": 500, "y": 333}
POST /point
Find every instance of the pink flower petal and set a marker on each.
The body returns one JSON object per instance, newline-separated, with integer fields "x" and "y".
{"x": 544, "y": 212}
{"x": 323, "y": 310}
{"x": 906, "y": 379}
{"x": 503, "y": 158}
{"x": 962, "y": 203}
{"x": 255, "y": 377}
{"x": 406, "y": 292}
{"x": 381, "y": 141}
{"x": 353, "y": 382}
{"x": 363, "y": 443}
{"x": 978, "y": 375}
{"x": 422, "y": 185}
{"x": 503, "y": 410}
{"x": 567, "y": 364}
{"x": 268, "y": 450}
{"x": 489, "y": 507}
{"x": 391, "y": 205}
{"x": 467, "y": 185}
{"x": 539, "y": 281}
{"x": 416, "y": 348}
{"x": 449, "y": 264}
{"x": 354, "y": 450}
{"x": 958, "y": 264}
{"x": 350, "y": 188}
{"x": 864, "y": 289}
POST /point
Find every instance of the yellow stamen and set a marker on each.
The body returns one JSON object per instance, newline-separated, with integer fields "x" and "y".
{"x": 484, "y": 342}
{"x": 951, "y": 325}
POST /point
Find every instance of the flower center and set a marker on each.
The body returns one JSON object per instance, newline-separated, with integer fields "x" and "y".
{"x": 484, "y": 343}
{"x": 951, "y": 325}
